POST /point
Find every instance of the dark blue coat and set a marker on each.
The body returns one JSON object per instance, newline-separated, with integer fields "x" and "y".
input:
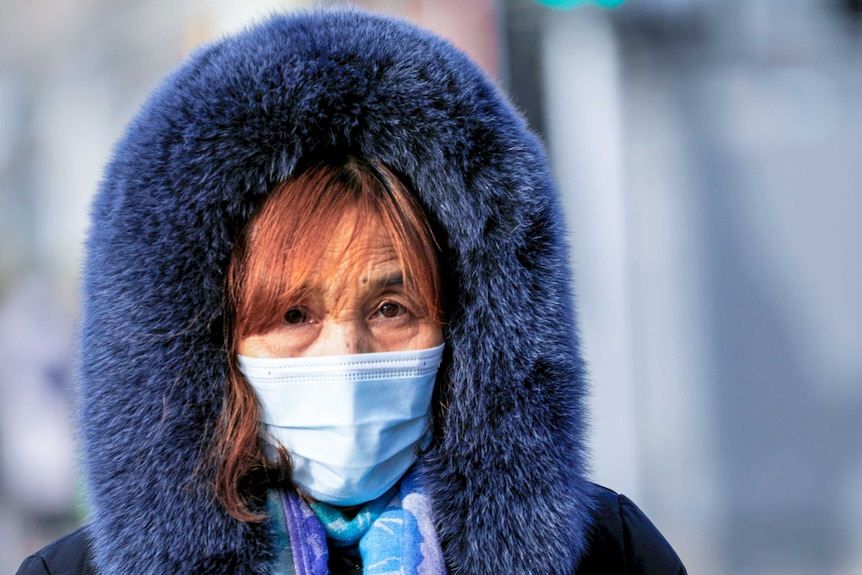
{"x": 622, "y": 541}
{"x": 507, "y": 476}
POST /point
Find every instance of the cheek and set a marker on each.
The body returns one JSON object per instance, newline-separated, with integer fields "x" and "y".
{"x": 275, "y": 344}
{"x": 433, "y": 335}
{"x": 409, "y": 336}
{"x": 250, "y": 346}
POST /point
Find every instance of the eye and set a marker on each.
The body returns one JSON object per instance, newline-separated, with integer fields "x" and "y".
{"x": 295, "y": 315}
{"x": 390, "y": 309}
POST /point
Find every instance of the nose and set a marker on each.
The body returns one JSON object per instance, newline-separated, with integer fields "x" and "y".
{"x": 341, "y": 338}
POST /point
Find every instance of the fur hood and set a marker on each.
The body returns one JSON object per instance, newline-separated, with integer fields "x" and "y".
{"x": 507, "y": 478}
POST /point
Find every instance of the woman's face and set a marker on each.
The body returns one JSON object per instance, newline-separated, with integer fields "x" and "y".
{"x": 363, "y": 306}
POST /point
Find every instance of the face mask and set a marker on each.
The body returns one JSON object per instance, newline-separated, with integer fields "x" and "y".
{"x": 351, "y": 423}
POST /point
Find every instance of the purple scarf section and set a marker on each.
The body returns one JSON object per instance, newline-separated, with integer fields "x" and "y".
{"x": 400, "y": 539}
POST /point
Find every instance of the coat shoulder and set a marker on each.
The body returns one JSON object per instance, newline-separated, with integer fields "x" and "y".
{"x": 69, "y": 555}
{"x": 623, "y": 540}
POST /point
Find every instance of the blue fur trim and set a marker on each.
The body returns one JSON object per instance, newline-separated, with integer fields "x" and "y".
{"x": 506, "y": 480}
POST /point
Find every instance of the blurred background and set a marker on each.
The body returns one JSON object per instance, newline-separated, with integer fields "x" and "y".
{"x": 708, "y": 155}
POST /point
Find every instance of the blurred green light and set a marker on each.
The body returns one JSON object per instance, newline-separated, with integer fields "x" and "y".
{"x": 566, "y": 4}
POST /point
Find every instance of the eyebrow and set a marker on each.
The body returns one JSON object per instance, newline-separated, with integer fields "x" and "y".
{"x": 384, "y": 281}
{"x": 394, "y": 279}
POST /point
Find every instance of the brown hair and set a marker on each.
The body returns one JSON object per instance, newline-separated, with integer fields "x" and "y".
{"x": 272, "y": 259}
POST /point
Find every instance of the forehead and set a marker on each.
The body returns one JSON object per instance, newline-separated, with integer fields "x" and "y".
{"x": 359, "y": 249}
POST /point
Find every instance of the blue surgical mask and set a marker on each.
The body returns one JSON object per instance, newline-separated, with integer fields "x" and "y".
{"x": 351, "y": 423}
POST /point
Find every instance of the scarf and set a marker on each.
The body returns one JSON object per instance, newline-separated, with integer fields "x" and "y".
{"x": 392, "y": 534}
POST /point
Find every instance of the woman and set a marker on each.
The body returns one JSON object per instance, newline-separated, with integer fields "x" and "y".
{"x": 331, "y": 191}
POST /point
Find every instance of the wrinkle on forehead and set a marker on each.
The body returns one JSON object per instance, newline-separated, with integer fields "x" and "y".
{"x": 357, "y": 260}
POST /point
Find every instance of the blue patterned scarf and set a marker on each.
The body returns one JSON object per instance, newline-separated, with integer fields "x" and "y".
{"x": 392, "y": 534}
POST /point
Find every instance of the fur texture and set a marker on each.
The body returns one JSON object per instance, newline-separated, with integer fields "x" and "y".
{"x": 506, "y": 477}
